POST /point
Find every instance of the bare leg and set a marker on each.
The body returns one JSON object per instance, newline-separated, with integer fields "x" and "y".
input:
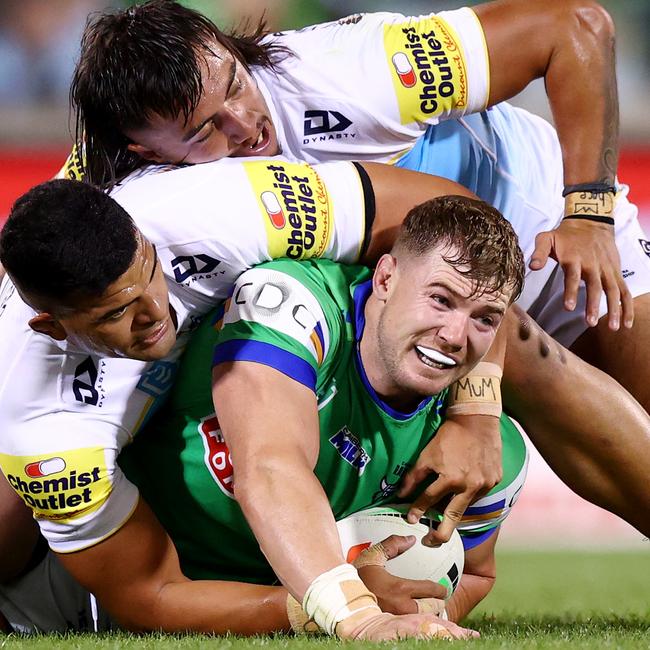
{"x": 591, "y": 431}
{"x": 18, "y": 533}
{"x": 624, "y": 355}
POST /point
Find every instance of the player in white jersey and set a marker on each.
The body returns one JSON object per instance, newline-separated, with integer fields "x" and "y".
{"x": 64, "y": 422}
{"x": 82, "y": 400}
{"x": 367, "y": 87}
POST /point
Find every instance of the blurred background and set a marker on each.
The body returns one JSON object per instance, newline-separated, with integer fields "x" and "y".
{"x": 38, "y": 48}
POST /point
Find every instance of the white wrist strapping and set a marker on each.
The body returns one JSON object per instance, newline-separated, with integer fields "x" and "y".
{"x": 336, "y": 595}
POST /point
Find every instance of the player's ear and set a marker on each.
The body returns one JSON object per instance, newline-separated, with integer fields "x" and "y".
{"x": 47, "y": 324}
{"x": 147, "y": 154}
{"x": 384, "y": 276}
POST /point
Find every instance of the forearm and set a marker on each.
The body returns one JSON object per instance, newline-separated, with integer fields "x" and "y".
{"x": 570, "y": 43}
{"x": 18, "y": 532}
{"x": 135, "y": 575}
{"x": 589, "y": 429}
{"x": 290, "y": 522}
{"x": 219, "y": 608}
{"x": 471, "y": 590}
{"x": 585, "y": 111}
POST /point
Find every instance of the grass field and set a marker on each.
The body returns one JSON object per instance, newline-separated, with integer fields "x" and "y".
{"x": 542, "y": 600}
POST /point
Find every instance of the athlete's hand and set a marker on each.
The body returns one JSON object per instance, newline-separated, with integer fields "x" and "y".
{"x": 587, "y": 251}
{"x": 397, "y": 595}
{"x": 465, "y": 457}
{"x": 388, "y": 627}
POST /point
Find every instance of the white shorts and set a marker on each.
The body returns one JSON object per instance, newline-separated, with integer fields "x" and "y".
{"x": 48, "y": 599}
{"x": 543, "y": 295}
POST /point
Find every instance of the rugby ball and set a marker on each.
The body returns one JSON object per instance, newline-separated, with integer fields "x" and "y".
{"x": 443, "y": 564}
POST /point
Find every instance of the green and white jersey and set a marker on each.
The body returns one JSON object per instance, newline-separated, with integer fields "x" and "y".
{"x": 305, "y": 320}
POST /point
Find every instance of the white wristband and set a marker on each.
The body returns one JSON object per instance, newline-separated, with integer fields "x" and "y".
{"x": 335, "y": 595}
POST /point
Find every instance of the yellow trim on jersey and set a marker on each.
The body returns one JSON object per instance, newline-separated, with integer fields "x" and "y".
{"x": 103, "y": 537}
{"x": 73, "y": 167}
{"x": 487, "y": 59}
{"x": 143, "y": 414}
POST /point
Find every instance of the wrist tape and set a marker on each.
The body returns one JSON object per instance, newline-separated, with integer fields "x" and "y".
{"x": 478, "y": 392}
{"x": 590, "y": 201}
{"x": 337, "y": 595}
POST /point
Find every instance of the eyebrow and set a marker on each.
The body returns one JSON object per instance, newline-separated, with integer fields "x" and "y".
{"x": 490, "y": 308}
{"x": 155, "y": 262}
{"x": 231, "y": 77}
{"x": 108, "y": 314}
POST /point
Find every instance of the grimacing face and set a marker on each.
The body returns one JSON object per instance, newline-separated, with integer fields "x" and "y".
{"x": 430, "y": 329}
{"x": 132, "y": 318}
{"x": 231, "y": 119}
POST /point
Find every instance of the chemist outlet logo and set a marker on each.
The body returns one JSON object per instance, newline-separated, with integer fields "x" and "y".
{"x": 295, "y": 207}
{"x": 60, "y": 485}
{"x": 427, "y": 67}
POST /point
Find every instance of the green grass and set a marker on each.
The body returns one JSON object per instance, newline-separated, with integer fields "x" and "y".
{"x": 542, "y": 600}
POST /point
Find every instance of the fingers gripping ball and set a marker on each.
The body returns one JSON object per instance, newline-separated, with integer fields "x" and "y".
{"x": 443, "y": 564}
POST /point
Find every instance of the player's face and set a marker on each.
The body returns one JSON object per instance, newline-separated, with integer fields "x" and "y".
{"x": 132, "y": 319}
{"x": 231, "y": 119}
{"x": 431, "y": 330}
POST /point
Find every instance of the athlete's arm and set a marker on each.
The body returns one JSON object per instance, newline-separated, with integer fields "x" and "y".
{"x": 570, "y": 43}
{"x": 270, "y": 423}
{"x": 18, "y": 534}
{"x": 274, "y": 450}
{"x": 396, "y": 191}
{"x": 479, "y": 576}
{"x": 136, "y": 576}
{"x": 465, "y": 457}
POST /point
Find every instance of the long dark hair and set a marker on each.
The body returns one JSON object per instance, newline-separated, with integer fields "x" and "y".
{"x": 143, "y": 61}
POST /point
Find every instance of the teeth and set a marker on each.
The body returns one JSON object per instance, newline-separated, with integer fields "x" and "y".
{"x": 258, "y": 141}
{"x": 436, "y": 356}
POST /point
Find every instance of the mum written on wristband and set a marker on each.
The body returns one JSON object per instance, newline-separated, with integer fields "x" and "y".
{"x": 590, "y": 201}
{"x": 478, "y": 392}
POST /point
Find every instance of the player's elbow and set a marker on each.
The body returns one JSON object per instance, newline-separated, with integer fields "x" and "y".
{"x": 590, "y": 20}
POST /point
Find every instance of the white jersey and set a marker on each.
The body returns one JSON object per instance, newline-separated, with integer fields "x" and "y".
{"x": 65, "y": 414}
{"x": 411, "y": 90}
{"x": 367, "y": 86}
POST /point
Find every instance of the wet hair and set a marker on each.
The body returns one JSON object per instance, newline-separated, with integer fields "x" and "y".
{"x": 65, "y": 240}
{"x": 142, "y": 61}
{"x": 473, "y": 234}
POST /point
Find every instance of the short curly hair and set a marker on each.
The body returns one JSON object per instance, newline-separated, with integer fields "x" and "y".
{"x": 474, "y": 234}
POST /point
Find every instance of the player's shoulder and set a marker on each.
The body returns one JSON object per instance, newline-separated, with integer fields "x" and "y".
{"x": 326, "y": 281}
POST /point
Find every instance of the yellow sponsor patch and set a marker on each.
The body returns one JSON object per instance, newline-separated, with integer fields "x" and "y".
{"x": 295, "y": 207}
{"x": 427, "y": 67}
{"x": 60, "y": 485}
{"x": 73, "y": 168}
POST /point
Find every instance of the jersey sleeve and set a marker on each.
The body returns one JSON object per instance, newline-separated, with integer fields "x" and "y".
{"x": 366, "y": 86}
{"x": 438, "y": 65}
{"x": 213, "y": 221}
{"x": 78, "y": 494}
{"x": 272, "y": 318}
{"x": 486, "y": 514}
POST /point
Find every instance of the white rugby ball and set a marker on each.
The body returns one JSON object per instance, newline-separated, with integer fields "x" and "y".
{"x": 443, "y": 564}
